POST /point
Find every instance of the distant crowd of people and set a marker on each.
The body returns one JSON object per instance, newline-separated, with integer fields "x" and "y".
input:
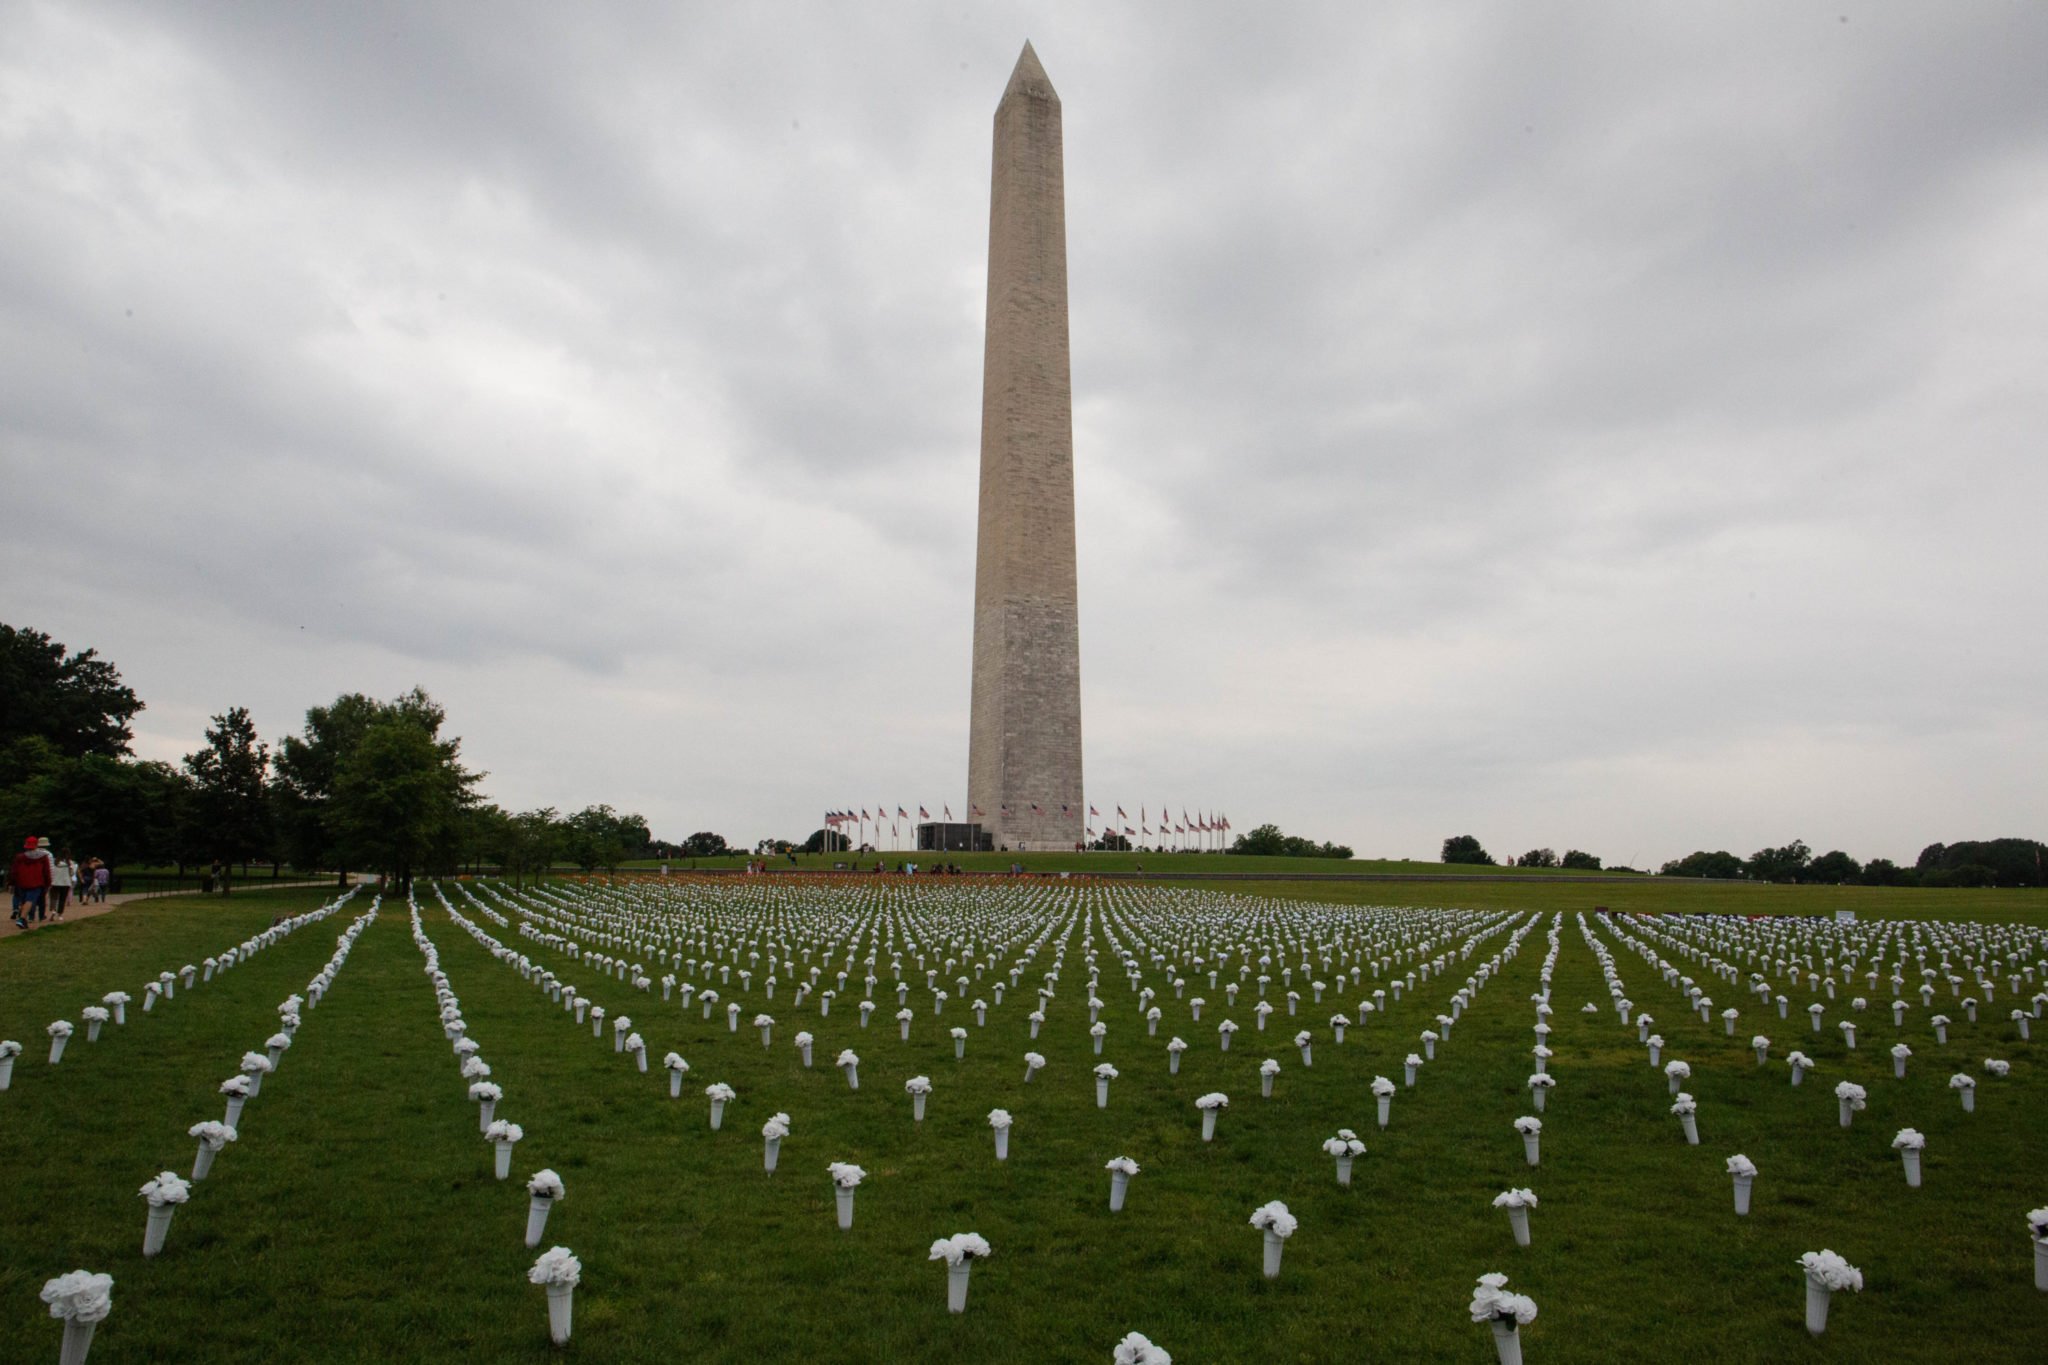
{"x": 45, "y": 880}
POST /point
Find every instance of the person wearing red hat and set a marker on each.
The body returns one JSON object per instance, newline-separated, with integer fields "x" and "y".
{"x": 29, "y": 876}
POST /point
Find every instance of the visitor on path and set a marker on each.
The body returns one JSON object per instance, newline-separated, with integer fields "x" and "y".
{"x": 62, "y": 874}
{"x": 217, "y": 878}
{"x": 29, "y": 876}
{"x": 101, "y": 875}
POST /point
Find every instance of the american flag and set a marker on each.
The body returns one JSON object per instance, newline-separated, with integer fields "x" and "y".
{"x": 923, "y": 814}
{"x": 1094, "y": 814}
{"x": 949, "y": 814}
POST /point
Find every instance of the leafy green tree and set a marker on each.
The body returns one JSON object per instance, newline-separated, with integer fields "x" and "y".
{"x": 1111, "y": 842}
{"x": 112, "y": 809}
{"x": 1885, "y": 872}
{"x": 1581, "y": 862}
{"x": 398, "y": 793}
{"x": 827, "y": 841}
{"x": 1267, "y": 840}
{"x": 75, "y": 701}
{"x": 598, "y": 836}
{"x": 307, "y": 767}
{"x": 2008, "y": 862}
{"x": 1721, "y": 864}
{"x": 704, "y": 844}
{"x": 230, "y": 819}
{"x": 1465, "y": 848}
{"x": 1787, "y": 864}
{"x": 1537, "y": 857}
{"x": 1833, "y": 869}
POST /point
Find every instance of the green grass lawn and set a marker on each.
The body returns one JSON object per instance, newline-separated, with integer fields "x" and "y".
{"x": 357, "y": 1219}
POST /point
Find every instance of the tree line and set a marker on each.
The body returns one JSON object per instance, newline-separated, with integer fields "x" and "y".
{"x": 367, "y": 785}
{"x": 1981, "y": 862}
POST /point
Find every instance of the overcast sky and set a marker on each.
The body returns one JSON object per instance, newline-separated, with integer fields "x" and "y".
{"x": 1608, "y": 426}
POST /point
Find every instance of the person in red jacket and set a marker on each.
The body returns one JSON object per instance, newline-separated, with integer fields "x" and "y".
{"x": 29, "y": 875}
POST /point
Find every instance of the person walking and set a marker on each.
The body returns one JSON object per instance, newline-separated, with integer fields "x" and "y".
{"x": 62, "y": 874}
{"x": 29, "y": 876}
{"x": 101, "y": 875}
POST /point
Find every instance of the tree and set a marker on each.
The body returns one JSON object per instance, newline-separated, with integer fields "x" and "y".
{"x": 77, "y": 701}
{"x": 1787, "y": 864}
{"x": 1833, "y": 868}
{"x": 598, "y": 836}
{"x": 1721, "y": 864}
{"x": 307, "y": 766}
{"x": 1269, "y": 841}
{"x": 1111, "y": 842}
{"x": 1885, "y": 872}
{"x": 704, "y": 844}
{"x": 1464, "y": 848}
{"x": 95, "y": 806}
{"x": 827, "y": 841}
{"x": 1581, "y": 862}
{"x": 2008, "y": 862}
{"x": 528, "y": 843}
{"x": 396, "y": 792}
{"x": 230, "y": 819}
{"x": 1537, "y": 857}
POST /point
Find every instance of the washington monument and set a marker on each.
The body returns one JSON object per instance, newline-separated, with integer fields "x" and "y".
{"x": 1024, "y": 740}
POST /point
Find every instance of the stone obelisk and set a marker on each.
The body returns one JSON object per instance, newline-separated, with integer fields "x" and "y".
{"x": 1024, "y": 742}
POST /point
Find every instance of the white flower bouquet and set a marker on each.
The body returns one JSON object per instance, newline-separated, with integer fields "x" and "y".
{"x": 2037, "y": 1228}
{"x": 1346, "y": 1148}
{"x": 542, "y": 1190}
{"x": 845, "y": 1177}
{"x": 803, "y": 1041}
{"x": 1137, "y": 1349}
{"x": 1268, "y": 1071}
{"x": 1504, "y": 1313}
{"x": 236, "y": 1089}
{"x": 772, "y": 1134}
{"x": 1175, "y": 1046}
{"x": 1517, "y": 1202}
{"x": 1121, "y": 1169}
{"x": 959, "y": 1252}
{"x": 1687, "y": 1108}
{"x": 999, "y": 1120}
{"x": 1303, "y": 1041}
{"x": 1850, "y": 1097}
{"x": 213, "y": 1135}
{"x": 559, "y": 1272}
{"x": 959, "y": 1037}
{"x": 94, "y": 1016}
{"x": 164, "y": 1193}
{"x": 1993, "y": 1066}
{"x": 1278, "y": 1225}
{"x": 766, "y": 1024}
{"x": 1409, "y": 1066}
{"x": 919, "y": 1088}
{"x": 1223, "y": 1032}
{"x": 1383, "y": 1096}
{"x": 677, "y": 1069}
{"x": 1743, "y": 1170}
{"x": 1762, "y": 1047}
{"x": 502, "y": 1136}
{"x": 81, "y": 1300}
{"x": 1531, "y": 1130}
{"x": 1965, "y": 1085}
{"x": 637, "y": 1046}
{"x": 1800, "y": 1064}
{"x": 60, "y": 1033}
{"x": 1826, "y": 1275}
{"x": 1210, "y": 1104}
{"x": 1104, "y": 1074}
{"x": 1676, "y": 1074}
{"x": 1909, "y": 1143}
{"x": 118, "y": 1002}
{"x": 720, "y": 1094}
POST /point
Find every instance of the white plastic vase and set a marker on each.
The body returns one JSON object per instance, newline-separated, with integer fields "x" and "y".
{"x": 1172, "y": 1064}
{"x": 1690, "y": 1123}
{"x": 1798, "y": 1074}
{"x": 158, "y": 1228}
{"x": 1742, "y": 1187}
{"x": 6, "y": 1072}
{"x": 1970, "y": 1100}
{"x": 1899, "y": 1068}
{"x": 1507, "y": 1343}
{"x": 77, "y": 1341}
{"x": 1531, "y": 1147}
{"x": 203, "y": 1163}
{"x": 844, "y": 1198}
{"x": 765, "y": 1031}
{"x": 956, "y": 1286}
{"x": 1784, "y": 1006}
{"x": 853, "y": 1078}
{"x": 504, "y": 1164}
{"x": 1656, "y": 1056}
{"x": 255, "y": 1083}
{"x": 904, "y": 1026}
{"x": 1536, "y": 1094}
{"x": 675, "y": 1085}
{"x": 960, "y": 1047}
{"x": 1119, "y": 1186}
{"x": 1941, "y": 1033}
{"x": 1642, "y": 1030}
{"x": 1763, "y": 1055}
{"x": 120, "y": 1011}
{"x": 537, "y": 1218}
{"x": 92, "y": 1030}
{"x": 1408, "y": 1075}
{"x": 1816, "y": 1306}
{"x": 1849, "y": 1037}
{"x": 1152, "y": 1028}
{"x": 640, "y": 1059}
{"x": 148, "y": 1002}
{"x": 561, "y": 1307}
{"x": 717, "y": 1114}
{"x": 1675, "y": 1082}
{"x": 1101, "y": 1093}
{"x": 2041, "y": 1266}
{"x": 806, "y": 1051}
{"x": 1848, "y": 1111}
{"x": 1002, "y": 1144}
{"x": 1224, "y": 1040}
{"x": 771, "y": 1151}
{"x": 1730, "y": 1024}
{"x": 1266, "y": 1084}
{"x": 1208, "y": 1125}
{"x": 1912, "y": 1161}
{"x": 57, "y": 1048}
{"x": 1386, "y": 1109}
{"x": 1274, "y": 1243}
{"x": 1429, "y": 1051}
{"x": 235, "y": 1103}
{"x": 917, "y": 1108}
{"x": 1518, "y": 1219}
{"x": 1034, "y": 1028}
{"x": 1306, "y": 1058}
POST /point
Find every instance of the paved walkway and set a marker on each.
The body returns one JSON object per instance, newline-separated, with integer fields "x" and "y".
{"x": 77, "y": 910}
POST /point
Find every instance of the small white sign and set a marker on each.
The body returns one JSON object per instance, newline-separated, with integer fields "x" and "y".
{"x": 1845, "y": 916}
